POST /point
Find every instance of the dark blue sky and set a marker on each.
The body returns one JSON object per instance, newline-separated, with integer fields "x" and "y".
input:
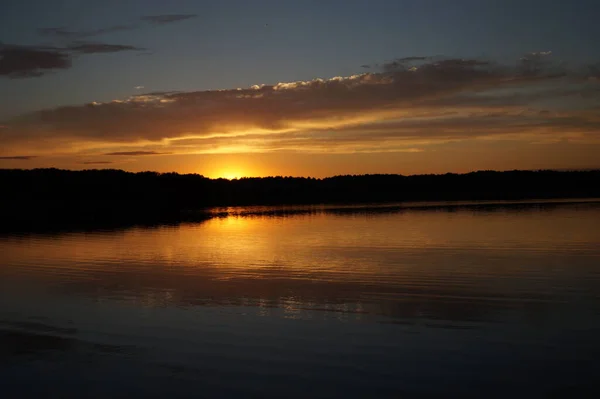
{"x": 229, "y": 45}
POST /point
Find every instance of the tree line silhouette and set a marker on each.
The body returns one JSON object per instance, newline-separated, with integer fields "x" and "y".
{"x": 49, "y": 196}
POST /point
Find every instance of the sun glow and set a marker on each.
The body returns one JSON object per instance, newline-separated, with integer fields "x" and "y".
{"x": 230, "y": 175}
{"x": 231, "y": 166}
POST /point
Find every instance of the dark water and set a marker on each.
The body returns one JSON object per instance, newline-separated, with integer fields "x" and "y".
{"x": 481, "y": 301}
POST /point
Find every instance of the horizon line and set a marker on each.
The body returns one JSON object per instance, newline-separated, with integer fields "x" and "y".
{"x": 560, "y": 170}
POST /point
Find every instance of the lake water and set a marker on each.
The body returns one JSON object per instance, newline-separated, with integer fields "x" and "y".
{"x": 482, "y": 301}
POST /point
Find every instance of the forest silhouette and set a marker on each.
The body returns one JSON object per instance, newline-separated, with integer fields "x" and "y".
{"x": 52, "y": 197}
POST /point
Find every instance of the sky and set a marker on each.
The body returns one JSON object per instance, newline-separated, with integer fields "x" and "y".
{"x": 300, "y": 87}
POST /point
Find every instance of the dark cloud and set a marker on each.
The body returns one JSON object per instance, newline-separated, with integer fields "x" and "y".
{"x": 71, "y": 34}
{"x": 19, "y": 61}
{"x": 67, "y": 34}
{"x": 31, "y": 61}
{"x": 18, "y": 158}
{"x": 96, "y": 162}
{"x": 394, "y": 66}
{"x": 594, "y": 71}
{"x": 137, "y": 153}
{"x": 167, "y": 18}
{"x": 404, "y": 62}
{"x": 60, "y": 32}
{"x": 94, "y": 48}
{"x": 410, "y": 64}
{"x": 535, "y": 63}
{"x": 413, "y": 58}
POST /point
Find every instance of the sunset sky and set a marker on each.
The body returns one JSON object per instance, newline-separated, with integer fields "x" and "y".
{"x": 300, "y": 87}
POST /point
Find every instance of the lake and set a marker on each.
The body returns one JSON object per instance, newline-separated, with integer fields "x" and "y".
{"x": 428, "y": 300}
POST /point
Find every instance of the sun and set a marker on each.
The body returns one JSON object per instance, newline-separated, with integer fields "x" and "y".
{"x": 230, "y": 175}
{"x": 230, "y": 168}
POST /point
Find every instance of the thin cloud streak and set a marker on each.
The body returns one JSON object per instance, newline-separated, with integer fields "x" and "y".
{"x": 167, "y": 18}
{"x": 95, "y": 48}
{"x": 65, "y": 33}
{"x": 71, "y": 34}
{"x": 136, "y": 153}
{"x": 18, "y": 158}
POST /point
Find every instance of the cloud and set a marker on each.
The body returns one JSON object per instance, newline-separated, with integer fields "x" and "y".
{"x": 167, "y": 18}
{"x": 31, "y": 61}
{"x": 404, "y": 63}
{"x": 594, "y": 71}
{"x": 413, "y": 58}
{"x": 20, "y": 61}
{"x": 65, "y": 33}
{"x": 535, "y": 62}
{"x": 136, "y": 153}
{"x": 398, "y": 109}
{"x": 60, "y": 32}
{"x": 96, "y": 162}
{"x": 407, "y": 134}
{"x": 94, "y": 48}
{"x": 18, "y": 158}
{"x": 447, "y": 65}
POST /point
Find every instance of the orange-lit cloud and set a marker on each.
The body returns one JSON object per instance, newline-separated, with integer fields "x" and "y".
{"x": 402, "y": 106}
{"x": 136, "y": 153}
{"x": 18, "y": 158}
{"x": 96, "y": 162}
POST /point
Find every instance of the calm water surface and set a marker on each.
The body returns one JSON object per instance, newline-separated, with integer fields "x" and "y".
{"x": 482, "y": 301}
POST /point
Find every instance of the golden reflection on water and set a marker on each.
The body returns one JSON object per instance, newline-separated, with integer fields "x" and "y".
{"x": 344, "y": 263}
{"x": 502, "y": 298}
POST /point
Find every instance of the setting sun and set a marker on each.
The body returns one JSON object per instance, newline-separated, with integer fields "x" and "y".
{"x": 231, "y": 167}
{"x": 230, "y": 175}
